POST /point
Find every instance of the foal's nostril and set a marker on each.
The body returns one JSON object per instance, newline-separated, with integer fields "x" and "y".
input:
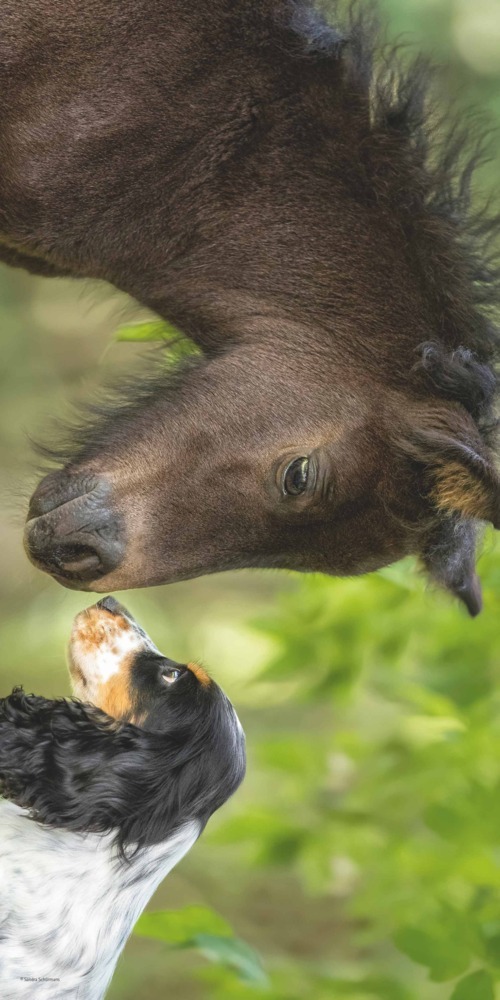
{"x": 73, "y": 532}
{"x": 81, "y": 559}
{"x": 71, "y": 559}
{"x": 68, "y": 559}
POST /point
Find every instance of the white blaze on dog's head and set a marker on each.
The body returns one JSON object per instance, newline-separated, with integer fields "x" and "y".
{"x": 104, "y": 644}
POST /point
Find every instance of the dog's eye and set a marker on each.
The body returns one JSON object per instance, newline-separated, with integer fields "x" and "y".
{"x": 171, "y": 675}
{"x": 295, "y": 477}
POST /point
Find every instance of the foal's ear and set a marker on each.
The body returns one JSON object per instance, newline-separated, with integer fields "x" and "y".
{"x": 468, "y": 484}
{"x": 449, "y": 557}
{"x": 461, "y": 477}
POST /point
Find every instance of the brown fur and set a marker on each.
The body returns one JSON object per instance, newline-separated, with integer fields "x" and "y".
{"x": 268, "y": 183}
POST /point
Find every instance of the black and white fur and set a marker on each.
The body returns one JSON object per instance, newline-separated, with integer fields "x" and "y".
{"x": 102, "y": 806}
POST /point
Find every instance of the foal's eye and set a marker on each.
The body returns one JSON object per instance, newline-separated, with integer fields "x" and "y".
{"x": 295, "y": 477}
{"x": 171, "y": 675}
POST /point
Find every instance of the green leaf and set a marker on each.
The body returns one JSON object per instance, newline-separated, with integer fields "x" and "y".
{"x": 180, "y": 927}
{"x": 177, "y": 345}
{"x": 233, "y": 954}
{"x": 477, "y": 986}
{"x": 153, "y": 330}
{"x": 443, "y": 951}
{"x": 201, "y": 928}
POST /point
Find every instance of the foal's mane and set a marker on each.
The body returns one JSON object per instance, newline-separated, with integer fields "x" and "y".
{"x": 406, "y": 124}
{"x": 418, "y": 168}
{"x": 421, "y": 162}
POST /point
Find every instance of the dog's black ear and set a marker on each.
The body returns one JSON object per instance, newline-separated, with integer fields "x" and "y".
{"x": 68, "y": 763}
{"x": 450, "y": 559}
{"x": 76, "y": 768}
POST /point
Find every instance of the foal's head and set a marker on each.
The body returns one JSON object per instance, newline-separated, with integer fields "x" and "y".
{"x": 342, "y": 412}
{"x": 258, "y": 458}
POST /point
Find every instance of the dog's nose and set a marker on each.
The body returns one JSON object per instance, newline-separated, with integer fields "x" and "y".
{"x": 110, "y": 604}
{"x": 72, "y": 531}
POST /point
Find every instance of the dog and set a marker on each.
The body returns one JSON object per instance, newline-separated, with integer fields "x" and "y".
{"x": 103, "y": 795}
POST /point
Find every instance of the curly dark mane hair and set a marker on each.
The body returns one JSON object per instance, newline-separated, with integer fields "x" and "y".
{"x": 421, "y": 168}
{"x": 422, "y": 165}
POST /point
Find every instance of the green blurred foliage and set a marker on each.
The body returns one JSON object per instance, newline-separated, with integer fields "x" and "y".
{"x": 387, "y": 796}
{"x": 155, "y": 330}
{"x": 201, "y": 928}
{"x": 361, "y": 857}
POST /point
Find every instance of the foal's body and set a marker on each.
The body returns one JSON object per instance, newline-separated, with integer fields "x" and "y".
{"x": 241, "y": 168}
{"x": 68, "y": 905}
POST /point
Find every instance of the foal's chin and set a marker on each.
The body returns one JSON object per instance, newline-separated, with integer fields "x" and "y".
{"x": 105, "y": 584}
{"x": 130, "y": 575}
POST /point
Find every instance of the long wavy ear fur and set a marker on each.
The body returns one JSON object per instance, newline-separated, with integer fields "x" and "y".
{"x": 76, "y": 768}
{"x": 66, "y": 762}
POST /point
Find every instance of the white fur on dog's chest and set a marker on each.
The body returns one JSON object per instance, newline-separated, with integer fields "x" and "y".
{"x": 67, "y": 905}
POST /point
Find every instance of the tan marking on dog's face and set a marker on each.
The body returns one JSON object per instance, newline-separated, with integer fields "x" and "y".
{"x": 102, "y": 650}
{"x": 200, "y": 674}
{"x": 115, "y": 695}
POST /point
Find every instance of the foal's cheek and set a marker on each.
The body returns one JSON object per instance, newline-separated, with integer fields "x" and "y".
{"x": 352, "y": 545}
{"x": 179, "y": 534}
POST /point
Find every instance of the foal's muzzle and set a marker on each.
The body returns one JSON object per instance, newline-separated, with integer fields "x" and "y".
{"x": 72, "y": 531}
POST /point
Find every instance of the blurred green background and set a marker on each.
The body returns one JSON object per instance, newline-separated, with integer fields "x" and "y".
{"x": 361, "y": 858}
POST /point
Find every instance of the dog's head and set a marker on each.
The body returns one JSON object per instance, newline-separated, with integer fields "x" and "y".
{"x": 116, "y": 667}
{"x": 149, "y": 745}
